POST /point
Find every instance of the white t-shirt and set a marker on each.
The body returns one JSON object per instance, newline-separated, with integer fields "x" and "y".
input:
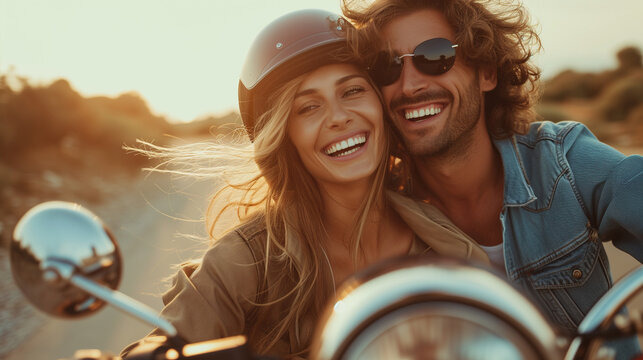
{"x": 496, "y": 256}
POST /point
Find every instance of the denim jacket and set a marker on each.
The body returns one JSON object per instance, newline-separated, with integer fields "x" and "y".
{"x": 565, "y": 193}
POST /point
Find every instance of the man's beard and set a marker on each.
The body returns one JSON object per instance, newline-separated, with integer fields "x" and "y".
{"x": 457, "y": 134}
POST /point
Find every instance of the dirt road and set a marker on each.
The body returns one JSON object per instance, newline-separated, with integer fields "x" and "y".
{"x": 148, "y": 222}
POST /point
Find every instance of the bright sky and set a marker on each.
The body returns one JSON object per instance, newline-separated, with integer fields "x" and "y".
{"x": 184, "y": 57}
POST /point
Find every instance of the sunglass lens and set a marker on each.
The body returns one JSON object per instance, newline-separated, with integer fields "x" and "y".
{"x": 386, "y": 69}
{"x": 434, "y": 56}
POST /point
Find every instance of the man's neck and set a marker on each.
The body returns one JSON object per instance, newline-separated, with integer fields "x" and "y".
{"x": 463, "y": 175}
{"x": 467, "y": 187}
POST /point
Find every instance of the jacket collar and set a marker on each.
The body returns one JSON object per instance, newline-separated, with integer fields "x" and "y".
{"x": 518, "y": 190}
{"x": 435, "y": 229}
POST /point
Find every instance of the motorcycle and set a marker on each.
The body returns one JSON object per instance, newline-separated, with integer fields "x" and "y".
{"x": 68, "y": 264}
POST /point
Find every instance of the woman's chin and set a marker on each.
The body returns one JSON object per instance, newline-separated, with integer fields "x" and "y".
{"x": 352, "y": 175}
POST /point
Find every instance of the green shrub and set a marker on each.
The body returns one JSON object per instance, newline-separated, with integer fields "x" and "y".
{"x": 38, "y": 116}
{"x": 570, "y": 84}
{"x": 7, "y": 131}
{"x": 124, "y": 119}
{"x": 44, "y": 115}
{"x": 629, "y": 58}
{"x": 635, "y": 117}
{"x": 621, "y": 97}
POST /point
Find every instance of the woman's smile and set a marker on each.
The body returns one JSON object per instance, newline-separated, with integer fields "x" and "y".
{"x": 347, "y": 146}
{"x": 336, "y": 124}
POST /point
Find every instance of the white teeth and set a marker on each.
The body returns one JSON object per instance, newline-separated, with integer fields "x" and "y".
{"x": 354, "y": 143}
{"x": 427, "y": 111}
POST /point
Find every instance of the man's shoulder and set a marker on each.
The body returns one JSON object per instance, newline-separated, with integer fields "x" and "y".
{"x": 544, "y": 142}
{"x": 544, "y": 147}
{"x": 550, "y": 131}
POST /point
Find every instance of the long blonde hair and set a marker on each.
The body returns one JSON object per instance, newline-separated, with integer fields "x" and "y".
{"x": 279, "y": 188}
{"x": 293, "y": 203}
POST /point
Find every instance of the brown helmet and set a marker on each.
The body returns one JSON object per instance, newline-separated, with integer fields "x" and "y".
{"x": 289, "y": 46}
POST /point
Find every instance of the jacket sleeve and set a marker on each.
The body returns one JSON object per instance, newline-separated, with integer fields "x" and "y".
{"x": 210, "y": 299}
{"x": 610, "y": 185}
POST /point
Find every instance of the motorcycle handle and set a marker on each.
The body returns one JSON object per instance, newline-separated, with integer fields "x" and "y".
{"x": 68, "y": 264}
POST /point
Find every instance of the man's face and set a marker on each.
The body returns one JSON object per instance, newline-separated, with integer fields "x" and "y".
{"x": 433, "y": 113}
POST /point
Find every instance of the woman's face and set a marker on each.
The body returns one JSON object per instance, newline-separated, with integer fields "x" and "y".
{"x": 336, "y": 124}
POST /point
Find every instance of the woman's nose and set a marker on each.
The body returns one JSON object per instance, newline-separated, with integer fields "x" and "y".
{"x": 338, "y": 117}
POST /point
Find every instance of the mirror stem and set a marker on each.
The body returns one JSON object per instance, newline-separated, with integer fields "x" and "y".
{"x": 125, "y": 304}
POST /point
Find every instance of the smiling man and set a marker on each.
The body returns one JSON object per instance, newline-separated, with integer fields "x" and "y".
{"x": 539, "y": 198}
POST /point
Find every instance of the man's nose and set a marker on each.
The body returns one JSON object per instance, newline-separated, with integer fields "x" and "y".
{"x": 412, "y": 80}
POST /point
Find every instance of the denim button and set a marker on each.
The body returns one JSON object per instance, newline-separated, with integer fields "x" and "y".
{"x": 577, "y": 274}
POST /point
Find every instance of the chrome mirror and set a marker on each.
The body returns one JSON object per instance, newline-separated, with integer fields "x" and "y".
{"x": 67, "y": 264}
{"x": 51, "y": 242}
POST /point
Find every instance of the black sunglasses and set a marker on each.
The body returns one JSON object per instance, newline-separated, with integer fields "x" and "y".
{"x": 432, "y": 57}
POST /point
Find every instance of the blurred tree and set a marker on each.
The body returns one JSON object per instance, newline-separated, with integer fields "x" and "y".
{"x": 53, "y": 115}
{"x": 132, "y": 104}
{"x": 629, "y": 58}
{"x": 621, "y": 97}
{"x": 570, "y": 84}
{"x": 42, "y": 116}
{"x": 125, "y": 119}
{"x": 211, "y": 125}
{"x": 7, "y": 132}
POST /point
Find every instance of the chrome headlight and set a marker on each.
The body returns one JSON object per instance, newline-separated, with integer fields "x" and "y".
{"x": 438, "y": 309}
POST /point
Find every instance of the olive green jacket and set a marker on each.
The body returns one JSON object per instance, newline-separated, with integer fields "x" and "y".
{"x": 216, "y": 297}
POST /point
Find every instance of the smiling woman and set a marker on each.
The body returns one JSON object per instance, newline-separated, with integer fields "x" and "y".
{"x": 336, "y": 125}
{"x": 316, "y": 210}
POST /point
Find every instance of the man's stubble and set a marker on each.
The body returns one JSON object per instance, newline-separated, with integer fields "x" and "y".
{"x": 456, "y": 137}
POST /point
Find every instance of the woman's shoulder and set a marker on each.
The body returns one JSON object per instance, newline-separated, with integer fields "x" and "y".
{"x": 252, "y": 228}
{"x": 230, "y": 262}
{"x": 250, "y": 234}
{"x": 241, "y": 244}
{"x": 211, "y": 297}
{"x": 235, "y": 254}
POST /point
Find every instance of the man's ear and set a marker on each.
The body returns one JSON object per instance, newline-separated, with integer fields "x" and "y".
{"x": 488, "y": 77}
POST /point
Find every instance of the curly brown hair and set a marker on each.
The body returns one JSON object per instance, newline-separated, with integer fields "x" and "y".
{"x": 489, "y": 33}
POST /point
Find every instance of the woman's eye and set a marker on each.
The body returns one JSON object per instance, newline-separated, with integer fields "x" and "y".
{"x": 353, "y": 90}
{"x": 306, "y": 108}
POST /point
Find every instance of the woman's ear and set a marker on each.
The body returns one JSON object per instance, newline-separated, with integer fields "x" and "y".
{"x": 488, "y": 78}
